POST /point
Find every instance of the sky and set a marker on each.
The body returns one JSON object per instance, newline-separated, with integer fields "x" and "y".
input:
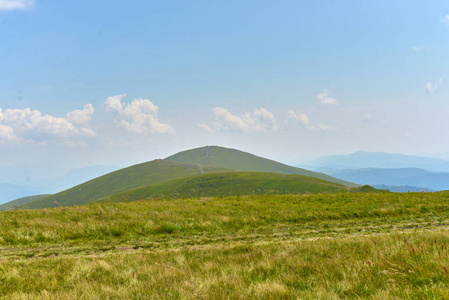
{"x": 121, "y": 82}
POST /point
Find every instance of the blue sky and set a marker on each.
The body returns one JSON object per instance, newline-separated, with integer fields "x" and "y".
{"x": 288, "y": 80}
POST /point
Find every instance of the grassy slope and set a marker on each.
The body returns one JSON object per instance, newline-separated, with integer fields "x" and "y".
{"x": 231, "y": 184}
{"x": 325, "y": 246}
{"x": 243, "y": 161}
{"x": 144, "y": 174}
{"x": 182, "y": 165}
{"x": 21, "y": 201}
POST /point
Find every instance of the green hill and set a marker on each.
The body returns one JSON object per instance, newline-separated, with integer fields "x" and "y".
{"x": 153, "y": 172}
{"x": 231, "y": 184}
{"x": 21, "y": 201}
{"x": 190, "y": 163}
{"x": 243, "y": 161}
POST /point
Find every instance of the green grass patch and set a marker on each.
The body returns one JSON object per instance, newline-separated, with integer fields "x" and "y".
{"x": 325, "y": 246}
{"x": 233, "y": 184}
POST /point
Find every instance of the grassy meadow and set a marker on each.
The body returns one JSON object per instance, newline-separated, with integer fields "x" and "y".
{"x": 312, "y": 246}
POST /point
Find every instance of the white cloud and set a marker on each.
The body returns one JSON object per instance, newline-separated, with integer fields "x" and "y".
{"x": 325, "y": 99}
{"x": 430, "y": 88}
{"x": 16, "y": 4}
{"x": 305, "y": 122}
{"x": 260, "y": 121}
{"x": 81, "y": 116}
{"x": 139, "y": 116}
{"x": 264, "y": 120}
{"x": 27, "y": 120}
{"x": 420, "y": 48}
{"x": 230, "y": 121}
{"x": 114, "y": 103}
{"x": 87, "y": 132}
{"x": 31, "y": 125}
{"x": 301, "y": 117}
{"x": 6, "y": 133}
{"x": 206, "y": 127}
{"x": 446, "y": 20}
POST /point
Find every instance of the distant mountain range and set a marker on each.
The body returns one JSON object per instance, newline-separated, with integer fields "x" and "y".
{"x": 206, "y": 171}
{"x": 396, "y": 177}
{"x": 362, "y": 159}
{"x": 394, "y": 170}
{"x": 401, "y": 188}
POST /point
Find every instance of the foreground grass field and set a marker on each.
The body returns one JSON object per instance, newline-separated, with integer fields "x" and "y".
{"x": 327, "y": 246}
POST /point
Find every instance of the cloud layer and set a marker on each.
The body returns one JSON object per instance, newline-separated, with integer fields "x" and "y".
{"x": 432, "y": 88}
{"x": 303, "y": 119}
{"x": 139, "y": 116}
{"x": 81, "y": 116}
{"x": 325, "y": 99}
{"x": 27, "y": 125}
{"x": 16, "y": 4}
{"x": 261, "y": 120}
{"x": 31, "y": 125}
{"x": 446, "y": 20}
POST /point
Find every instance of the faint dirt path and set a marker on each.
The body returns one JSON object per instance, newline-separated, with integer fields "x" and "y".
{"x": 207, "y": 154}
{"x": 275, "y": 235}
